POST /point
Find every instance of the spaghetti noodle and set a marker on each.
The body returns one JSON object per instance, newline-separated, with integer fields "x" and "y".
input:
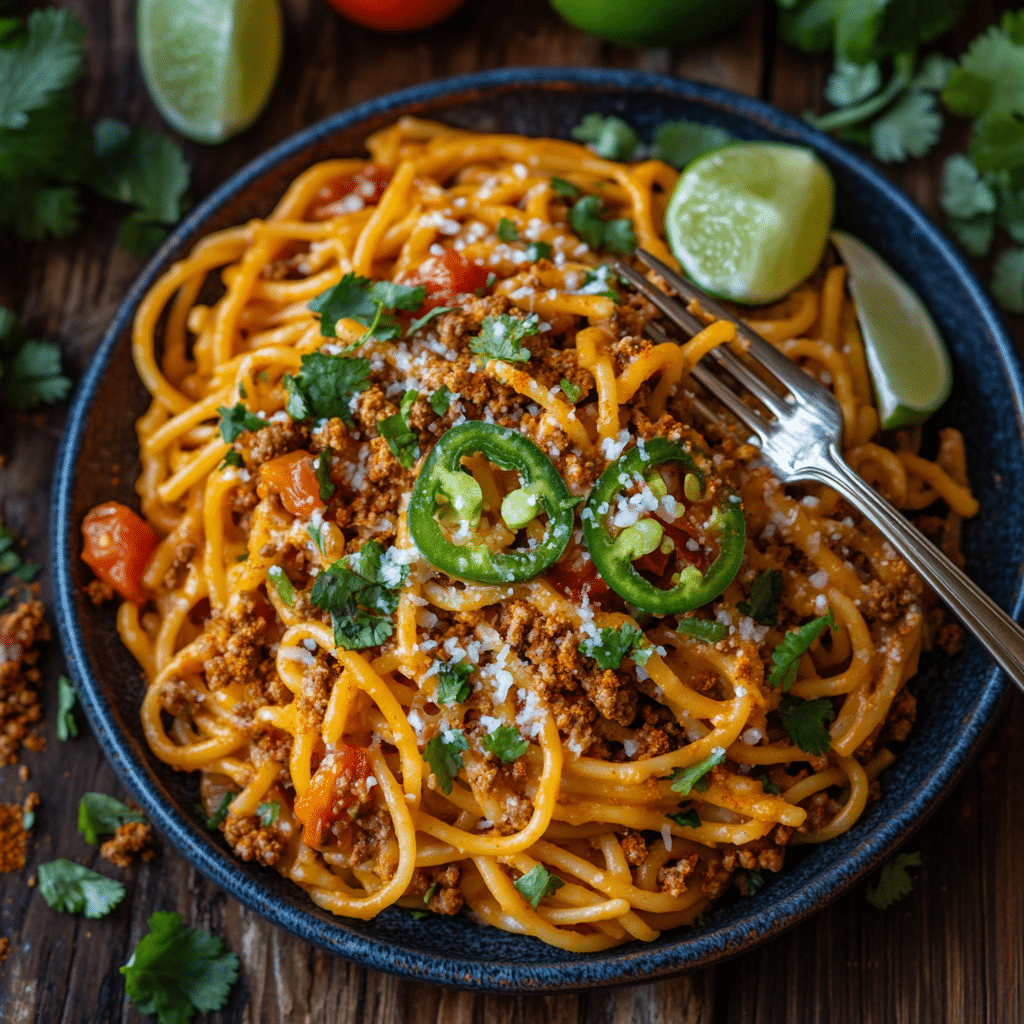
{"x": 563, "y": 764}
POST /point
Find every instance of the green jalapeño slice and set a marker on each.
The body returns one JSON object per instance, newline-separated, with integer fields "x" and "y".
{"x": 614, "y": 554}
{"x": 444, "y": 486}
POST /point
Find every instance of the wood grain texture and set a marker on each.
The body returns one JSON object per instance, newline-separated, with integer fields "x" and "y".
{"x": 953, "y": 951}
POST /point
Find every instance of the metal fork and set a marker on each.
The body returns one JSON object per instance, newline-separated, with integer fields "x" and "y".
{"x": 801, "y": 440}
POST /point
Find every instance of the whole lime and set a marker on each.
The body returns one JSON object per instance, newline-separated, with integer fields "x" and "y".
{"x": 652, "y": 22}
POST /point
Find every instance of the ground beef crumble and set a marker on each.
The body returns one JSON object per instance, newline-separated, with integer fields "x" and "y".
{"x": 131, "y": 838}
{"x": 254, "y": 841}
{"x": 20, "y": 631}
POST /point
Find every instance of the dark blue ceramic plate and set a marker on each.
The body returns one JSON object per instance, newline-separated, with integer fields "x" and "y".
{"x": 959, "y": 698}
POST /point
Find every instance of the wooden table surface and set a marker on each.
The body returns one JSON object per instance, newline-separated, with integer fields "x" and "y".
{"x": 953, "y": 951}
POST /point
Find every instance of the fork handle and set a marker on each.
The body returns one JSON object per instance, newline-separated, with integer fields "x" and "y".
{"x": 1003, "y": 638}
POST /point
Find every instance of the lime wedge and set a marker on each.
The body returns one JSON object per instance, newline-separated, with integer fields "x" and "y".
{"x": 209, "y": 65}
{"x": 907, "y": 358}
{"x": 749, "y": 221}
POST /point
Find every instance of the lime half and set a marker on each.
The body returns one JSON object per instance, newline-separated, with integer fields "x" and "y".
{"x": 209, "y": 65}
{"x": 910, "y": 367}
{"x": 749, "y": 221}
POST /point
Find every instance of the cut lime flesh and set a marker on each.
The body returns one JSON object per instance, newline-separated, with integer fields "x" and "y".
{"x": 209, "y": 65}
{"x": 910, "y": 368}
{"x": 750, "y": 221}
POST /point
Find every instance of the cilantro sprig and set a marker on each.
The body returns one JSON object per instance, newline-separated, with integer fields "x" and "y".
{"x": 894, "y": 881}
{"x": 694, "y": 777}
{"x": 805, "y": 720}
{"x": 236, "y": 420}
{"x": 505, "y": 743}
{"x": 325, "y": 386}
{"x": 589, "y": 219}
{"x": 67, "y": 697}
{"x": 501, "y": 337}
{"x": 441, "y": 399}
{"x": 537, "y": 883}
{"x": 101, "y": 815}
{"x": 765, "y": 594}
{"x": 685, "y": 819}
{"x": 402, "y": 439}
{"x": 75, "y": 889}
{"x": 615, "y": 643}
{"x": 444, "y": 755}
{"x": 367, "y": 303}
{"x": 11, "y": 563}
{"x": 176, "y": 970}
{"x": 360, "y": 592}
{"x": 30, "y": 371}
{"x": 793, "y": 646}
{"x": 453, "y": 683}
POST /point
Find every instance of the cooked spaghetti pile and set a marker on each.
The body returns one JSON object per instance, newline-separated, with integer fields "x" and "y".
{"x": 423, "y": 645}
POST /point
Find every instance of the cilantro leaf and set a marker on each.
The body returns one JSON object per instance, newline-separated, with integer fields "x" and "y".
{"x": 586, "y": 220}
{"x": 441, "y": 399}
{"x": 323, "y": 475}
{"x": 685, "y": 819}
{"x": 236, "y": 421}
{"x": 268, "y": 813}
{"x": 444, "y": 755}
{"x": 402, "y": 440}
{"x": 507, "y": 231}
{"x": 609, "y": 137}
{"x": 933, "y": 74}
{"x": 910, "y": 128}
{"x": 505, "y": 743}
{"x": 964, "y": 191}
{"x": 679, "y": 142}
{"x": 564, "y": 189}
{"x": 325, "y": 385}
{"x": 599, "y": 281}
{"x": 283, "y": 585}
{"x": 542, "y": 250}
{"x": 233, "y": 458}
{"x": 755, "y": 881}
{"x": 702, "y": 629}
{"x": 620, "y": 237}
{"x": 75, "y": 889}
{"x": 786, "y": 656}
{"x": 613, "y": 644}
{"x": 313, "y": 529}
{"x": 501, "y": 337}
{"x": 33, "y": 374}
{"x": 140, "y": 237}
{"x": 765, "y": 594}
{"x": 989, "y": 80}
{"x": 768, "y": 786}
{"x": 215, "y": 820}
{"x": 428, "y": 316}
{"x": 851, "y": 82}
{"x": 1007, "y": 284}
{"x": 347, "y": 300}
{"x": 397, "y": 296}
{"x": 692, "y": 777}
{"x": 894, "y": 881}
{"x": 998, "y": 143}
{"x": 804, "y": 720}
{"x": 66, "y": 698}
{"x": 99, "y": 814}
{"x": 975, "y": 234}
{"x": 572, "y": 391}
{"x": 537, "y": 883}
{"x": 453, "y": 683}
{"x": 176, "y": 970}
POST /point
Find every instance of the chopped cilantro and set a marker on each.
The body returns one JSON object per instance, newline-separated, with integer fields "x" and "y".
{"x": 679, "y": 142}
{"x": 894, "y": 881}
{"x": 236, "y": 420}
{"x": 564, "y": 189}
{"x": 428, "y": 316}
{"x": 501, "y": 337}
{"x": 176, "y": 970}
{"x": 323, "y": 475}
{"x": 804, "y": 720}
{"x": 793, "y": 646}
{"x": 402, "y": 440}
{"x": 75, "y": 889}
{"x": 693, "y": 777}
{"x": 419, "y": 915}
{"x": 702, "y": 629}
{"x": 441, "y": 399}
{"x": 66, "y": 698}
{"x": 614, "y": 644}
{"x": 429, "y": 894}
{"x": 755, "y": 881}
{"x": 765, "y": 594}
{"x": 268, "y": 813}
{"x": 537, "y": 883}
{"x": 30, "y": 371}
{"x": 572, "y": 391}
{"x": 767, "y": 785}
{"x": 620, "y": 237}
{"x": 588, "y": 220}
{"x": 609, "y": 137}
{"x": 453, "y": 683}
{"x": 599, "y": 281}
{"x": 234, "y": 459}
{"x": 539, "y": 251}
{"x": 507, "y": 231}
{"x": 214, "y": 821}
{"x": 360, "y": 593}
{"x": 505, "y": 743}
{"x": 444, "y": 755}
{"x": 100, "y": 815}
{"x": 313, "y": 529}
{"x": 282, "y": 585}
{"x": 325, "y": 385}
{"x": 27, "y": 571}
{"x": 685, "y": 819}
{"x": 357, "y": 298}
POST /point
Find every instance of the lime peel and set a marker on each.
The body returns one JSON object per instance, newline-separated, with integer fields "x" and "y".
{"x": 910, "y": 367}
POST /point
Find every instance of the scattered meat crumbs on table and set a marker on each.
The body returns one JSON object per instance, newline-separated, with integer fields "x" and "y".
{"x": 133, "y": 837}
{"x": 12, "y": 838}
{"x": 19, "y": 679}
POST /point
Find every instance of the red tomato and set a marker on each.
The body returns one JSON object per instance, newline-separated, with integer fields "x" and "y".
{"x": 117, "y": 547}
{"x": 369, "y": 185}
{"x": 445, "y": 277}
{"x": 293, "y": 478}
{"x": 324, "y": 802}
{"x": 396, "y": 15}
{"x": 574, "y": 575}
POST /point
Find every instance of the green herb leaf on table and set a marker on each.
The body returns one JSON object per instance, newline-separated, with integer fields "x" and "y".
{"x": 268, "y": 813}
{"x": 30, "y": 371}
{"x": 67, "y": 696}
{"x": 453, "y": 683}
{"x": 75, "y": 889}
{"x": 765, "y": 594}
{"x": 441, "y": 399}
{"x": 236, "y": 420}
{"x": 851, "y": 83}
{"x": 793, "y": 646}
{"x": 910, "y": 128}
{"x": 537, "y": 883}
{"x": 894, "y": 881}
{"x": 805, "y": 720}
{"x": 685, "y": 819}
{"x": 101, "y": 815}
{"x": 505, "y": 743}
{"x": 609, "y": 137}
{"x": 702, "y": 629}
{"x": 1007, "y": 284}
{"x": 615, "y": 643}
{"x": 964, "y": 192}
{"x": 501, "y": 337}
{"x": 325, "y": 386}
{"x": 444, "y": 755}
{"x": 176, "y": 970}
{"x": 694, "y": 777}
{"x": 402, "y": 440}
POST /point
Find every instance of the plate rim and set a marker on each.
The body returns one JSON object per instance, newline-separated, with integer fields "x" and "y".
{"x": 632, "y": 963}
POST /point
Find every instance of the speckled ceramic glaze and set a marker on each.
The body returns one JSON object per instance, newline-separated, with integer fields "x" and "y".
{"x": 959, "y": 696}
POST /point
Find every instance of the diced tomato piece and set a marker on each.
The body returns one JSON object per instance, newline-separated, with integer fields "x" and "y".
{"x": 445, "y": 277}
{"x": 330, "y": 793}
{"x": 117, "y": 547}
{"x": 369, "y": 185}
{"x": 293, "y": 477}
{"x": 575, "y": 574}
